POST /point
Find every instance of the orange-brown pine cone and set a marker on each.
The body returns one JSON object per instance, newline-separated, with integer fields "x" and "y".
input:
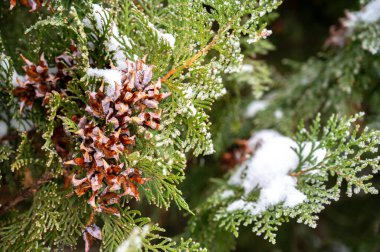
{"x": 33, "y": 4}
{"x": 39, "y": 82}
{"x": 134, "y": 102}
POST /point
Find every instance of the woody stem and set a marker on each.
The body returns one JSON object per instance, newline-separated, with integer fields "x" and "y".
{"x": 199, "y": 54}
{"x": 26, "y": 193}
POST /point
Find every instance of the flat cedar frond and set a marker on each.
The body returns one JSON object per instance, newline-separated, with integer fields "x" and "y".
{"x": 106, "y": 103}
{"x": 339, "y": 150}
{"x": 52, "y": 221}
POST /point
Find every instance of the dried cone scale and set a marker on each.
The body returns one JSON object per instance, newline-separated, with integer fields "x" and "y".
{"x": 108, "y": 135}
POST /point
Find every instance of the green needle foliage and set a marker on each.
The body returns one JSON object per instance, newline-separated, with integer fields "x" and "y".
{"x": 191, "y": 44}
{"x": 349, "y": 162}
{"x": 105, "y": 103}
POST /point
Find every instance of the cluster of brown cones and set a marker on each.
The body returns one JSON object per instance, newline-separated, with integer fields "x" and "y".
{"x": 39, "y": 81}
{"x": 106, "y": 132}
{"x": 33, "y": 4}
{"x": 107, "y": 136}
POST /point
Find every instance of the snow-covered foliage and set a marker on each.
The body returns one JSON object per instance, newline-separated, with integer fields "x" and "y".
{"x": 166, "y": 37}
{"x": 163, "y": 64}
{"x": 288, "y": 177}
{"x": 102, "y": 24}
{"x": 269, "y": 171}
{"x": 110, "y": 76}
{"x": 370, "y": 13}
{"x": 333, "y": 75}
{"x": 134, "y": 241}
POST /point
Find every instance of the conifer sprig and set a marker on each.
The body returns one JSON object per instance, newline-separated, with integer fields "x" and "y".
{"x": 341, "y": 150}
{"x": 141, "y": 145}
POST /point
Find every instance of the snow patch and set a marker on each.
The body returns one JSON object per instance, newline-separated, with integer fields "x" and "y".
{"x": 255, "y": 107}
{"x": 169, "y": 38}
{"x": 100, "y": 16}
{"x": 247, "y": 68}
{"x": 268, "y": 170}
{"x": 135, "y": 240}
{"x": 266, "y": 134}
{"x": 227, "y": 194}
{"x": 113, "y": 44}
{"x": 278, "y": 114}
{"x": 110, "y": 76}
{"x": 369, "y": 14}
{"x": 166, "y": 37}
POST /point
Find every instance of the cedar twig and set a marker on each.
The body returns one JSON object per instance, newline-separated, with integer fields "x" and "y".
{"x": 301, "y": 172}
{"x": 26, "y": 193}
{"x": 199, "y": 54}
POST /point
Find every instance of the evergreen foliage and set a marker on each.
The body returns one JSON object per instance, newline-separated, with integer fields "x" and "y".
{"x": 349, "y": 150}
{"x": 105, "y": 103}
{"x": 102, "y": 40}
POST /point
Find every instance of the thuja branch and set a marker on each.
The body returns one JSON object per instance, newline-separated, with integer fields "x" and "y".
{"x": 313, "y": 168}
{"x": 299, "y": 173}
{"x": 27, "y": 192}
{"x": 141, "y": 6}
{"x": 199, "y": 54}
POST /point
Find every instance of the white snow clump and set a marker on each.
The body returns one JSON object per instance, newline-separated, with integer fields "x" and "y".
{"x": 268, "y": 170}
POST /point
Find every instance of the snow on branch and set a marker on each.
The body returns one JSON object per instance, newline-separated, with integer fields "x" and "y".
{"x": 369, "y": 14}
{"x": 166, "y": 37}
{"x": 110, "y": 76}
{"x": 291, "y": 178}
{"x": 269, "y": 170}
{"x": 102, "y": 22}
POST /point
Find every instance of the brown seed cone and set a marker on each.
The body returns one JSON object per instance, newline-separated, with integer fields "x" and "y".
{"x": 239, "y": 152}
{"x": 39, "y": 82}
{"x": 33, "y": 4}
{"x": 134, "y": 102}
{"x": 129, "y": 103}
